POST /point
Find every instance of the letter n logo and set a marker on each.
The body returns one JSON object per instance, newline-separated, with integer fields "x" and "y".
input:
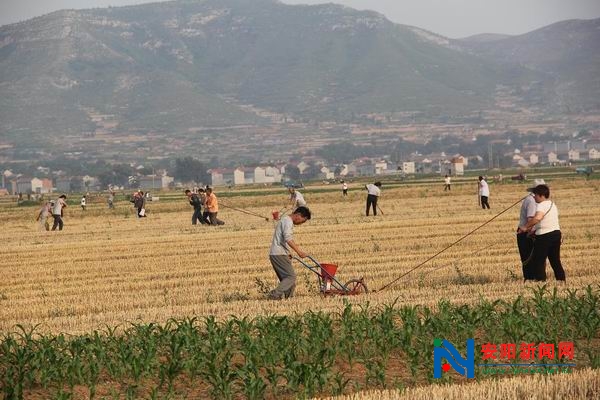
{"x": 445, "y": 349}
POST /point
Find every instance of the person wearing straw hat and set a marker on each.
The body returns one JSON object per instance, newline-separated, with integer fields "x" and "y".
{"x": 524, "y": 239}
{"x": 279, "y": 253}
{"x": 548, "y": 237}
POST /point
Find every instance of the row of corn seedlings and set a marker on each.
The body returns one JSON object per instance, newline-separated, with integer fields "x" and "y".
{"x": 286, "y": 356}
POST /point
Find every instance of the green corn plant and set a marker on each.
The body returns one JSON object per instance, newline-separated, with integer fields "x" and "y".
{"x": 253, "y": 385}
{"x": 375, "y": 372}
{"x": 340, "y": 382}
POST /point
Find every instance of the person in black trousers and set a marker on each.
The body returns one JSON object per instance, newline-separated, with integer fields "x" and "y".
{"x": 548, "y": 238}
{"x": 373, "y": 190}
{"x": 196, "y": 202}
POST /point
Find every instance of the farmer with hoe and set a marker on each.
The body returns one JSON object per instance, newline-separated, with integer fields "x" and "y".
{"x": 279, "y": 254}
{"x": 373, "y": 193}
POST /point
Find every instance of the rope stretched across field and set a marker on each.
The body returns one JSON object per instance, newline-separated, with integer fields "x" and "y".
{"x": 456, "y": 242}
{"x": 244, "y": 211}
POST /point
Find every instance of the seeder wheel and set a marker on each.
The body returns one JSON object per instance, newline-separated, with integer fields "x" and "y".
{"x": 356, "y": 286}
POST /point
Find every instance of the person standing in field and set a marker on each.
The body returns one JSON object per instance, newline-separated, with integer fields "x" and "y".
{"x": 548, "y": 237}
{"x": 111, "y": 200}
{"x": 373, "y": 193}
{"x": 524, "y": 239}
{"x": 484, "y": 193}
{"x": 212, "y": 205}
{"x": 344, "y": 189}
{"x": 205, "y": 214}
{"x": 139, "y": 203}
{"x": 43, "y": 215}
{"x": 279, "y": 253}
{"x": 195, "y": 202}
{"x": 296, "y": 199}
{"x": 83, "y": 201}
{"x": 446, "y": 183}
{"x": 57, "y": 212}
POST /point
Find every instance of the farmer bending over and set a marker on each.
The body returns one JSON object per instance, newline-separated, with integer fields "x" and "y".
{"x": 279, "y": 254}
{"x": 373, "y": 193}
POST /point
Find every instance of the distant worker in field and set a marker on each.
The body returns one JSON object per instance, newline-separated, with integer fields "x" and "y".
{"x": 142, "y": 211}
{"x": 484, "y": 193}
{"x": 139, "y": 203}
{"x": 43, "y": 215}
{"x": 446, "y": 183}
{"x": 279, "y": 253}
{"x": 373, "y": 193}
{"x": 111, "y": 200}
{"x": 196, "y": 202}
{"x": 525, "y": 239}
{"x": 296, "y": 199}
{"x": 83, "y": 203}
{"x": 344, "y": 189}
{"x": 212, "y": 205}
{"x": 548, "y": 237}
{"x": 205, "y": 213}
{"x": 57, "y": 212}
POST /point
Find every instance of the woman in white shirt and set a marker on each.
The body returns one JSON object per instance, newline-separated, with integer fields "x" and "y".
{"x": 547, "y": 237}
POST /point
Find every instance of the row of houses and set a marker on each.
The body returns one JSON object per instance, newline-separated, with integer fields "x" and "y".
{"x": 573, "y": 155}
{"x": 418, "y": 164}
{"x": 241, "y": 176}
{"x": 21, "y": 184}
{"x": 361, "y": 167}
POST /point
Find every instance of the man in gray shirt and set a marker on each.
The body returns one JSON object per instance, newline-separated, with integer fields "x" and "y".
{"x": 279, "y": 254}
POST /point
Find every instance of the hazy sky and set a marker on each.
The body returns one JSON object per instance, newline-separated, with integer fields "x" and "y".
{"x": 452, "y": 18}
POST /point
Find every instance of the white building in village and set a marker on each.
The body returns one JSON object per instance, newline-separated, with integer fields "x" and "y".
{"x": 574, "y": 155}
{"x": 408, "y": 167}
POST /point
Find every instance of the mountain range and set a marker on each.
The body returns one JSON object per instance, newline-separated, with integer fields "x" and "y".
{"x": 179, "y": 66}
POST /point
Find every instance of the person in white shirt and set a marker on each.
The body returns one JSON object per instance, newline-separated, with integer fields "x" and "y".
{"x": 373, "y": 193}
{"x": 548, "y": 237}
{"x": 57, "y": 212}
{"x": 344, "y": 188}
{"x": 446, "y": 183}
{"x": 296, "y": 199}
{"x": 484, "y": 193}
{"x": 83, "y": 203}
{"x": 279, "y": 253}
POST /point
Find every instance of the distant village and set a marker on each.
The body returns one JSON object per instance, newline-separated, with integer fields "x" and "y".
{"x": 554, "y": 153}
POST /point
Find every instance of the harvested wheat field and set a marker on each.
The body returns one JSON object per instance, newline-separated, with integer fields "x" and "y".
{"x": 580, "y": 385}
{"x": 109, "y": 270}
